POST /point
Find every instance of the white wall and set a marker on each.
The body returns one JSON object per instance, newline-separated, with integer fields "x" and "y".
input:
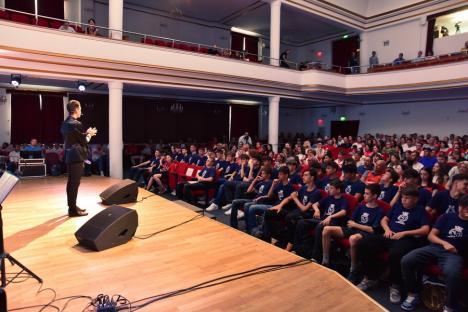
{"x": 378, "y": 6}
{"x": 450, "y": 44}
{"x": 157, "y": 25}
{"x": 5, "y": 120}
{"x": 72, "y": 10}
{"x": 308, "y": 52}
{"x": 438, "y": 118}
{"x": 407, "y": 37}
{"x": 357, "y": 6}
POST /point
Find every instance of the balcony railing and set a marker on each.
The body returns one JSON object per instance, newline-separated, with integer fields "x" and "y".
{"x": 148, "y": 39}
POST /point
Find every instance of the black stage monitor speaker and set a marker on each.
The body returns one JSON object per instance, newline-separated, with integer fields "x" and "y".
{"x": 111, "y": 227}
{"x": 126, "y": 191}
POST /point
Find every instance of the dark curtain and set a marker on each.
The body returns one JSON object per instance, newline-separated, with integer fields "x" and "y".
{"x": 244, "y": 118}
{"x": 25, "y": 117}
{"x": 95, "y": 109}
{"x": 153, "y": 120}
{"x": 430, "y": 35}
{"x": 344, "y": 128}
{"x": 251, "y": 45}
{"x": 237, "y": 41}
{"x": 50, "y": 8}
{"x": 51, "y": 117}
{"x": 342, "y": 49}
{"x": 21, "y": 5}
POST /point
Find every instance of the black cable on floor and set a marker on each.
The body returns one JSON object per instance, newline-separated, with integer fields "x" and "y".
{"x": 146, "y": 236}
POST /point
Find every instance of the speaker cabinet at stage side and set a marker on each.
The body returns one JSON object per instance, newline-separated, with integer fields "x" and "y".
{"x": 126, "y": 191}
{"x": 111, "y": 227}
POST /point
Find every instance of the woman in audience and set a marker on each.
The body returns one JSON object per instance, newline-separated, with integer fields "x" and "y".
{"x": 426, "y": 179}
{"x": 162, "y": 174}
{"x": 91, "y": 29}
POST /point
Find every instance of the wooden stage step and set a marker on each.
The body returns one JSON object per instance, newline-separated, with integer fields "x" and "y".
{"x": 39, "y": 233}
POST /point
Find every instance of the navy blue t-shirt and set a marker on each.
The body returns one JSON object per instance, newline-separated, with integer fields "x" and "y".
{"x": 263, "y": 187}
{"x": 295, "y": 178}
{"x": 402, "y": 219}
{"x": 207, "y": 172}
{"x": 442, "y": 202}
{"x": 179, "y": 157}
{"x": 201, "y": 161}
{"x": 387, "y": 193}
{"x": 282, "y": 191}
{"x": 326, "y": 182}
{"x": 221, "y": 164}
{"x": 155, "y": 161}
{"x": 362, "y": 169}
{"x": 354, "y": 187}
{"x": 424, "y": 197}
{"x": 454, "y": 230}
{"x": 192, "y": 158}
{"x": 274, "y": 173}
{"x": 368, "y": 216}
{"x": 231, "y": 167}
{"x": 306, "y": 197}
{"x": 238, "y": 175}
{"x": 331, "y": 205}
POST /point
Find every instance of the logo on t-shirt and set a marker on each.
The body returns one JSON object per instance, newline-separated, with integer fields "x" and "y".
{"x": 348, "y": 189}
{"x": 204, "y": 172}
{"x": 450, "y": 209}
{"x": 382, "y": 194}
{"x": 327, "y": 187}
{"x": 330, "y": 210}
{"x": 280, "y": 194}
{"x": 365, "y": 218}
{"x": 304, "y": 200}
{"x": 403, "y": 218}
{"x": 260, "y": 190}
{"x": 456, "y": 232}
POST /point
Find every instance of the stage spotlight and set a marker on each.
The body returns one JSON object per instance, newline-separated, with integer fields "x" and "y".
{"x": 15, "y": 80}
{"x": 81, "y": 86}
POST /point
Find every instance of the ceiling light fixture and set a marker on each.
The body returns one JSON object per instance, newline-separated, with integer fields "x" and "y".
{"x": 245, "y": 32}
{"x": 81, "y": 86}
{"x": 15, "y": 80}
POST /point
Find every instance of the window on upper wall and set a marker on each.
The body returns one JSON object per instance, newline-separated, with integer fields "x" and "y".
{"x": 451, "y": 24}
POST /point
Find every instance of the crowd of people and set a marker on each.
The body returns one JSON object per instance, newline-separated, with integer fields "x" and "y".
{"x": 53, "y": 154}
{"x": 409, "y": 193}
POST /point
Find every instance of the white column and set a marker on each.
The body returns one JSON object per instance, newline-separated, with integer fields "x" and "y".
{"x": 275, "y": 31}
{"x": 72, "y": 10}
{"x": 364, "y": 52}
{"x": 116, "y": 19}
{"x": 2, "y": 3}
{"x": 273, "y": 121}
{"x": 115, "y": 129}
{"x": 5, "y": 119}
{"x": 65, "y": 102}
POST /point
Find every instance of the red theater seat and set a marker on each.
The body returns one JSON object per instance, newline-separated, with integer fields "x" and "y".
{"x": 147, "y": 40}
{"x": 55, "y": 24}
{"x": 4, "y": 15}
{"x": 43, "y": 22}
{"x": 20, "y": 18}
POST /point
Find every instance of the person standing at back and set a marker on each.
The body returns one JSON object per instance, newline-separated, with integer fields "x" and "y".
{"x": 76, "y": 152}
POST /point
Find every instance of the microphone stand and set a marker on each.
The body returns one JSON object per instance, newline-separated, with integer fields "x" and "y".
{"x": 4, "y": 255}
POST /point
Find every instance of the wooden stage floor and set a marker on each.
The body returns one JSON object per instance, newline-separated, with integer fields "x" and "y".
{"x": 39, "y": 234}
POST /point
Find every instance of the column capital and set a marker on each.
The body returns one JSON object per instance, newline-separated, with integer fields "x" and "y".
{"x": 273, "y": 2}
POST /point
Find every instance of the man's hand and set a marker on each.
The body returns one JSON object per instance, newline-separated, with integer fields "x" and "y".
{"x": 91, "y": 131}
{"x": 388, "y": 234}
{"x": 294, "y": 195}
{"x": 450, "y": 248}
{"x": 275, "y": 208}
{"x": 351, "y": 224}
{"x": 398, "y": 235}
{"x": 316, "y": 214}
{"x": 276, "y": 182}
{"x": 327, "y": 220}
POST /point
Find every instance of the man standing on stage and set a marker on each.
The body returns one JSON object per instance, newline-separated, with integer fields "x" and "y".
{"x": 76, "y": 152}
